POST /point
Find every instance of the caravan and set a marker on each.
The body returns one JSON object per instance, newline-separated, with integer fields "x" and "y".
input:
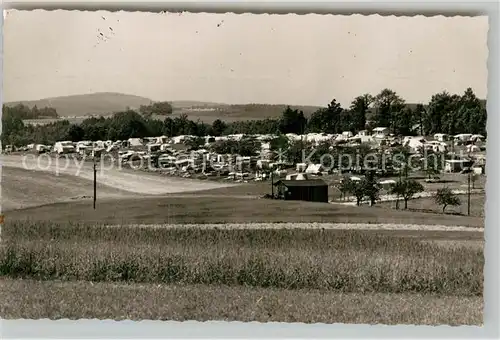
{"x": 64, "y": 147}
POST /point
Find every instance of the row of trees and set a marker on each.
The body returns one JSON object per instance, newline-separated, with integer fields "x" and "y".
{"x": 444, "y": 113}
{"x": 405, "y": 189}
{"x": 156, "y": 109}
{"x": 25, "y": 112}
{"x": 122, "y": 125}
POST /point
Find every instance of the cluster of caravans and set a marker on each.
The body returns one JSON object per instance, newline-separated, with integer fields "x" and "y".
{"x": 380, "y": 136}
{"x": 91, "y": 147}
{"x": 172, "y": 154}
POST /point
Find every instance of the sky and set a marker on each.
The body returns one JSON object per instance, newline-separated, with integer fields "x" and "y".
{"x": 241, "y": 58}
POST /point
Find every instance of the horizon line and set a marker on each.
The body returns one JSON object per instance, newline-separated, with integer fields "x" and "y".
{"x": 199, "y": 101}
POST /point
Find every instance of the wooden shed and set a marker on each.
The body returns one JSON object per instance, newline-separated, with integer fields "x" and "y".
{"x": 312, "y": 190}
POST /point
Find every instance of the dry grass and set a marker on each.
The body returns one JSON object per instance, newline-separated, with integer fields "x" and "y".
{"x": 74, "y": 300}
{"x": 341, "y": 261}
{"x": 293, "y": 275}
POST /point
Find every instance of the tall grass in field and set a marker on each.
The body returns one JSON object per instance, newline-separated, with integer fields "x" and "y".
{"x": 347, "y": 261}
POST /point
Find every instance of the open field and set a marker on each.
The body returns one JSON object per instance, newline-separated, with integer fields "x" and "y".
{"x": 31, "y": 299}
{"x": 181, "y": 209}
{"x": 123, "y": 179}
{"x": 24, "y": 188}
{"x": 264, "y": 275}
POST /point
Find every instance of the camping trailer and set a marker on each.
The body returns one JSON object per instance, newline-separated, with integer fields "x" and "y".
{"x": 64, "y": 147}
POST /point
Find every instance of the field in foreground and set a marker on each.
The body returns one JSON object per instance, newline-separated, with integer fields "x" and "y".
{"x": 76, "y": 300}
{"x": 226, "y": 271}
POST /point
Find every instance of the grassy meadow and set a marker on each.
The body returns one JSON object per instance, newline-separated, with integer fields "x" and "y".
{"x": 280, "y": 267}
{"x": 428, "y": 205}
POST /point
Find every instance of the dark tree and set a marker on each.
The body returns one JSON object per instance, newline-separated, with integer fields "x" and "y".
{"x": 359, "y": 108}
{"x": 446, "y": 197}
{"x": 388, "y": 106}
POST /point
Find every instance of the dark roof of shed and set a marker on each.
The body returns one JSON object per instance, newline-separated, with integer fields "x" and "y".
{"x": 302, "y": 183}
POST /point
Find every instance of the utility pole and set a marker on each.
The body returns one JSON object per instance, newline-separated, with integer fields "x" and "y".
{"x": 95, "y": 176}
{"x": 272, "y": 183}
{"x": 95, "y": 182}
{"x": 468, "y": 192}
{"x": 421, "y": 125}
{"x": 1, "y": 224}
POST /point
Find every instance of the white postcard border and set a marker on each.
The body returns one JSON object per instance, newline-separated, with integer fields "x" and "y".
{"x": 108, "y": 329}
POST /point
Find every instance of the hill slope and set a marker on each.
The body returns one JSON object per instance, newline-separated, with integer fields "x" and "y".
{"x": 106, "y": 103}
{"x": 102, "y": 103}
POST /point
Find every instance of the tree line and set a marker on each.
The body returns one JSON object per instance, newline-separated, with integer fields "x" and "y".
{"x": 25, "y": 112}
{"x": 445, "y": 113}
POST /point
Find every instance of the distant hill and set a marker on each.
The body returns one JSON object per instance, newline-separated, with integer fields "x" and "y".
{"x": 105, "y": 103}
{"x": 102, "y": 103}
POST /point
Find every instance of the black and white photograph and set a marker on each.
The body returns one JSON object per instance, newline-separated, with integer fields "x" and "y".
{"x": 243, "y": 167}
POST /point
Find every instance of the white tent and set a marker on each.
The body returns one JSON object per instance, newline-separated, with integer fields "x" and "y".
{"x": 314, "y": 168}
{"x": 301, "y": 167}
{"x": 135, "y": 142}
{"x": 296, "y": 177}
{"x": 473, "y": 148}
